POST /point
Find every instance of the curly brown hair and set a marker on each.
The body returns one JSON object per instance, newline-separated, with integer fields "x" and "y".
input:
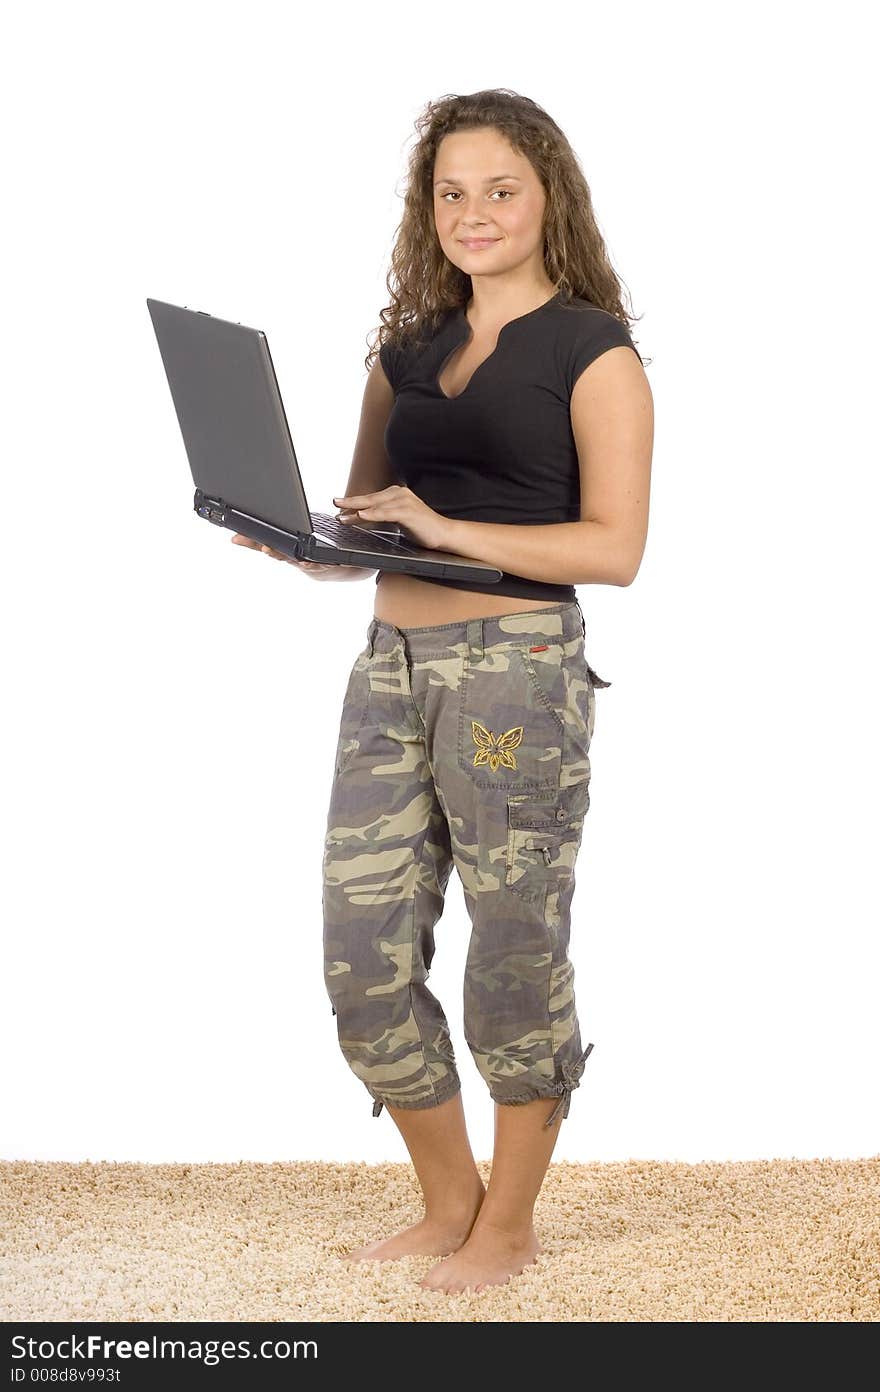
{"x": 424, "y": 284}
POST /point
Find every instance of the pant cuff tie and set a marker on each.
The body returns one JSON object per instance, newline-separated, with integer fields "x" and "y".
{"x": 571, "y": 1073}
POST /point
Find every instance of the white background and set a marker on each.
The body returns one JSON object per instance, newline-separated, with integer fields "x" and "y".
{"x": 172, "y": 701}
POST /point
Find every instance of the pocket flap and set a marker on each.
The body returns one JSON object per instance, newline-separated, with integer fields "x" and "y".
{"x": 530, "y": 811}
{"x": 533, "y": 812}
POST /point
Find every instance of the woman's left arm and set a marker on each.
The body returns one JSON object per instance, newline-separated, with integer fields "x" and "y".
{"x": 612, "y": 418}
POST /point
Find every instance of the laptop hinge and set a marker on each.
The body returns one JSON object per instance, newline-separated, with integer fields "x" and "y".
{"x": 212, "y": 508}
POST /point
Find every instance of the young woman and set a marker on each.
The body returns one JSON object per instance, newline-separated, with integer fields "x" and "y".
{"x": 508, "y": 418}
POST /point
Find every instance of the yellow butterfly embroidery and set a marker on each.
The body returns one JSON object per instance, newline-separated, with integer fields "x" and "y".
{"x": 494, "y": 751}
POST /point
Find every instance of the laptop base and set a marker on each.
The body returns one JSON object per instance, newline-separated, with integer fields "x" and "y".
{"x": 311, "y": 548}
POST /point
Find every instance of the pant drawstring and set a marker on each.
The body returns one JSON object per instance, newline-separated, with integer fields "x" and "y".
{"x": 377, "y": 1107}
{"x": 571, "y": 1073}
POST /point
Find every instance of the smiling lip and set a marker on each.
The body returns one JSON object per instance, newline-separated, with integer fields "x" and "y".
{"x": 479, "y": 241}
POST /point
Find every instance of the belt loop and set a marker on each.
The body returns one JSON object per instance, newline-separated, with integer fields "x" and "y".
{"x": 475, "y": 640}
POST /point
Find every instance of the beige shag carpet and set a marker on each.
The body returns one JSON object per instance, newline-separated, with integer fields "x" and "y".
{"x": 638, "y": 1240}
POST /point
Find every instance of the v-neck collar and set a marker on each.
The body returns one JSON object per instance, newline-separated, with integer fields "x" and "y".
{"x": 460, "y": 323}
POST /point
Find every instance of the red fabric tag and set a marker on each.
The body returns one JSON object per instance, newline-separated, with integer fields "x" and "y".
{"x": 542, "y": 647}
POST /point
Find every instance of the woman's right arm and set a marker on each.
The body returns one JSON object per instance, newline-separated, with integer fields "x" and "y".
{"x": 370, "y": 471}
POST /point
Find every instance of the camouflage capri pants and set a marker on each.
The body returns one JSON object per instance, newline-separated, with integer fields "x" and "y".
{"x": 468, "y": 744}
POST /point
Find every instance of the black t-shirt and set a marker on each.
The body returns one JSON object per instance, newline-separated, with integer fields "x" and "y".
{"x": 503, "y": 450}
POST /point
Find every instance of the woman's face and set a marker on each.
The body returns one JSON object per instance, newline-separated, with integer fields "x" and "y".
{"x": 471, "y": 201}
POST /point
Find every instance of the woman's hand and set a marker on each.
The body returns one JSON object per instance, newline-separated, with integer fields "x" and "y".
{"x": 399, "y": 504}
{"x": 315, "y": 569}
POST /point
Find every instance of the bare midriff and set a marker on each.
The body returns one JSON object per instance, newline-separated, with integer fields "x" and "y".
{"x": 409, "y": 602}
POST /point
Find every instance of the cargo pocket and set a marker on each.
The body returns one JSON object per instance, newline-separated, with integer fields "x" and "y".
{"x": 543, "y": 837}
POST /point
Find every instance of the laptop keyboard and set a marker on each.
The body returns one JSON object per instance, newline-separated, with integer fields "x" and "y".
{"x": 356, "y": 538}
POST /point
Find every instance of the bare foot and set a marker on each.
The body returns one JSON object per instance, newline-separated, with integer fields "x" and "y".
{"x": 431, "y": 1237}
{"x": 489, "y": 1257}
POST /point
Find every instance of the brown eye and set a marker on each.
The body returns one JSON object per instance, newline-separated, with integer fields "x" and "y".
{"x": 509, "y": 192}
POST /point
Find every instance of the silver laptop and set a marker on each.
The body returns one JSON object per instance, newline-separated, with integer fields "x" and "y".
{"x": 242, "y": 459}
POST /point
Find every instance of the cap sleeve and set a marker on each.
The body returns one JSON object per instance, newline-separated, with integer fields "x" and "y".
{"x": 389, "y": 356}
{"x": 598, "y": 332}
